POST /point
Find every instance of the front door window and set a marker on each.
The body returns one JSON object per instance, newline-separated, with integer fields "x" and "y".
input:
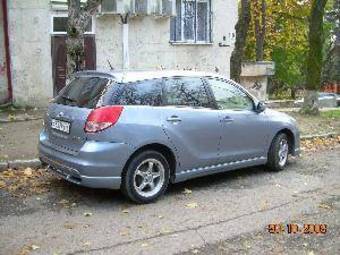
{"x": 229, "y": 97}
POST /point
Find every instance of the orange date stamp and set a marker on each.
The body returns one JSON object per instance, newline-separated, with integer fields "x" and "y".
{"x": 297, "y": 229}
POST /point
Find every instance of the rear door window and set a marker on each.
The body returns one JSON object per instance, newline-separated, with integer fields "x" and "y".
{"x": 84, "y": 92}
{"x": 186, "y": 91}
{"x": 147, "y": 92}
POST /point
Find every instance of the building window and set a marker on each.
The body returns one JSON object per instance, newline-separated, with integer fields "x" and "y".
{"x": 192, "y": 23}
{"x": 59, "y": 24}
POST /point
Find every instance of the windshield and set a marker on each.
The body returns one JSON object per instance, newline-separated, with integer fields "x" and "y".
{"x": 82, "y": 92}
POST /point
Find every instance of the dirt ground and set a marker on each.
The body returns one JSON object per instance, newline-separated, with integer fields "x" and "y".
{"x": 326, "y": 123}
{"x": 19, "y": 140}
{"x": 220, "y": 214}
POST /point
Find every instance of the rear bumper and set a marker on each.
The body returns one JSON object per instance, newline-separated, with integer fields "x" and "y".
{"x": 97, "y": 165}
{"x": 73, "y": 175}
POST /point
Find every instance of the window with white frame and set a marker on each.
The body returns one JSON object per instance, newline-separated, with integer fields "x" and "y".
{"x": 59, "y": 24}
{"x": 192, "y": 23}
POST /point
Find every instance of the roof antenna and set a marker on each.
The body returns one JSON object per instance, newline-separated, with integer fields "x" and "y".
{"x": 111, "y": 67}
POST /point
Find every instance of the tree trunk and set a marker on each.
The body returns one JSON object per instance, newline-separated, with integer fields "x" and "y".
{"x": 242, "y": 27}
{"x": 78, "y": 19}
{"x": 260, "y": 28}
{"x": 314, "y": 61}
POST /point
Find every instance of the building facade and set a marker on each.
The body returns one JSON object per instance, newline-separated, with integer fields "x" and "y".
{"x": 4, "y": 90}
{"x": 199, "y": 37}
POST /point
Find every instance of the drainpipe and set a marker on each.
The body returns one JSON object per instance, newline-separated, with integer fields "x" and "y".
{"x": 7, "y": 50}
{"x": 125, "y": 41}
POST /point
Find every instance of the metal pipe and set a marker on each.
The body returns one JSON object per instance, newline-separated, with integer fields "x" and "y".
{"x": 7, "y": 50}
{"x": 125, "y": 41}
{"x": 126, "y": 60}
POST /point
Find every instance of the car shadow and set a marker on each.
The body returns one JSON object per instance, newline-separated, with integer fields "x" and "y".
{"x": 82, "y": 196}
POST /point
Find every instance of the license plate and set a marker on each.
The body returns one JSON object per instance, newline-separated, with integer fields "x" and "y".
{"x": 60, "y": 125}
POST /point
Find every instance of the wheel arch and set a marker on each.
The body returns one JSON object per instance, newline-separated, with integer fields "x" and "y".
{"x": 290, "y": 136}
{"x": 161, "y": 148}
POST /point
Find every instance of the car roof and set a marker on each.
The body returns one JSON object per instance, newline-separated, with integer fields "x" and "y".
{"x": 136, "y": 75}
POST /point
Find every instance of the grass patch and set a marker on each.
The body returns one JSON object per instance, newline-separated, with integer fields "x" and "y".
{"x": 333, "y": 114}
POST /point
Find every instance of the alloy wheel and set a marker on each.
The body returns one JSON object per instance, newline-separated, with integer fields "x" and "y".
{"x": 283, "y": 152}
{"x": 149, "y": 177}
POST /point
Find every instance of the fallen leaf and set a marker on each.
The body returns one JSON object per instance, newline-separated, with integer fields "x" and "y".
{"x": 124, "y": 232}
{"x": 264, "y": 205}
{"x": 2, "y": 184}
{"x": 165, "y": 231}
{"x": 69, "y": 226}
{"x": 11, "y": 117}
{"x": 192, "y": 205}
{"x": 145, "y": 245}
{"x": 187, "y": 192}
{"x": 160, "y": 216}
{"x": 28, "y": 172}
{"x": 35, "y": 247}
{"x": 87, "y": 243}
{"x": 63, "y": 201}
{"x": 195, "y": 251}
{"x": 88, "y": 214}
{"x": 325, "y": 206}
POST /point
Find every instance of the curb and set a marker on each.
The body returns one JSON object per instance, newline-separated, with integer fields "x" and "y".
{"x": 37, "y": 163}
{"x": 20, "y": 164}
{"x": 309, "y": 137}
{"x": 20, "y": 120}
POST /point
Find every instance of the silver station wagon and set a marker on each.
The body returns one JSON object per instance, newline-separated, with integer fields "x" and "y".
{"x": 139, "y": 131}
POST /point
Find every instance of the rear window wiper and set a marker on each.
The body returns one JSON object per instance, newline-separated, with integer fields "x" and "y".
{"x": 69, "y": 99}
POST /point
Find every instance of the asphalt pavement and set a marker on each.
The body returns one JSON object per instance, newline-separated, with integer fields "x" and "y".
{"x": 221, "y": 214}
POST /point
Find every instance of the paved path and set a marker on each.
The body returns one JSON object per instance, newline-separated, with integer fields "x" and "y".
{"x": 228, "y": 206}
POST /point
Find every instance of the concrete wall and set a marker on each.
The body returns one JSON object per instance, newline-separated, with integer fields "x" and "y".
{"x": 149, "y": 42}
{"x": 30, "y": 44}
{"x": 255, "y": 75}
{"x": 3, "y": 66}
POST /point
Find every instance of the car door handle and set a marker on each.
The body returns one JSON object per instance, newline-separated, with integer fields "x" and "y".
{"x": 174, "y": 119}
{"x": 227, "y": 119}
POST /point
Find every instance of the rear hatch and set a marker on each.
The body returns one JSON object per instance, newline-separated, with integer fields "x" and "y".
{"x": 67, "y": 115}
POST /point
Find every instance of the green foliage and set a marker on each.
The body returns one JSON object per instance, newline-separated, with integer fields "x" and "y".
{"x": 286, "y": 41}
{"x": 331, "y": 52}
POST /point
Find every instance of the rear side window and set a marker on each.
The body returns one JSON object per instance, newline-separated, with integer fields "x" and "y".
{"x": 186, "y": 92}
{"x": 82, "y": 92}
{"x": 147, "y": 92}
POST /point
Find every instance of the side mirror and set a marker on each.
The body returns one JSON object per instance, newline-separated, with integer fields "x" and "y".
{"x": 261, "y": 107}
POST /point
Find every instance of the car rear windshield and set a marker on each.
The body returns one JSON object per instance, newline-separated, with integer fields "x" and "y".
{"x": 84, "y": 92}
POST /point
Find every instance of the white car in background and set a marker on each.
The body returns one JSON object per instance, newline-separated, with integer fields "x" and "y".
{"x": 328, "y": 100}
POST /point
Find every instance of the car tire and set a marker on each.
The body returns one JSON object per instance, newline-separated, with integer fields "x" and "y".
{"x": 144, "y": 169}
{"x": 278, "y": 153}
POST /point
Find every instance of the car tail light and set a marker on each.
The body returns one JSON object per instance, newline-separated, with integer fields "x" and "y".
{"x": 102, "y": 118}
